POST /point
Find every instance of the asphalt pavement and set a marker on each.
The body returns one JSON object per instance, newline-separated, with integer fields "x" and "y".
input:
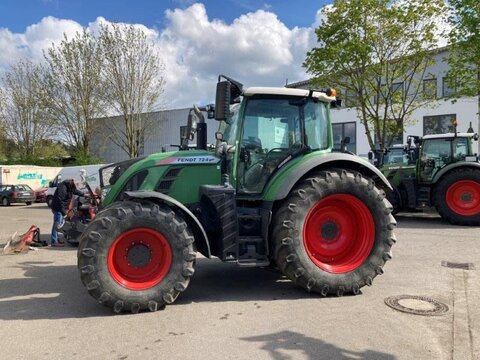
{"x": 229, "y": 312}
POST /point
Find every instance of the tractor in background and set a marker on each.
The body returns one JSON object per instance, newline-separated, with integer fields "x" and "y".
{"x": 439, "y": 170}
{"x": 271, "y": 192}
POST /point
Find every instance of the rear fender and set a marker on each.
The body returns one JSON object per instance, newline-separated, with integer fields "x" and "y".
{"x": 284, "y": 180}
{"x": 457, "y": 165}
{"x": 201, "y": 239}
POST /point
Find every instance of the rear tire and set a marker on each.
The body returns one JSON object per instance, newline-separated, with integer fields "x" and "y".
{"x": 5, "y": 202}
{"x": 395, "y": 199}
{"x": 137, "y": 256}
{"x": 457, "y": 196}
{"x": 333, "y": 233}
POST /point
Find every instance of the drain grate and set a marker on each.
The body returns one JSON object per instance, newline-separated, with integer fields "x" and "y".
{"x": 417, "y": 305}
{"x": 462, "y": 266}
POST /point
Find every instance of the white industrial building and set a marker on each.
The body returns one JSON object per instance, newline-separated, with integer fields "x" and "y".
{"x": 433, "y": 119}
{"x": 163, "y": 131}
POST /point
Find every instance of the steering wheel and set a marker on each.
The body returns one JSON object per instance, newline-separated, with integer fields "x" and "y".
{"x": 273, "y": 151}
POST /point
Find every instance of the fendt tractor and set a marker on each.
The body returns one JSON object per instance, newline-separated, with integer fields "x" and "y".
{"x": 437, "y": 170}
{"x": 271, "y": 193}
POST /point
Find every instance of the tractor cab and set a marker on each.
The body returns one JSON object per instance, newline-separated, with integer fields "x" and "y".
{"x": 268, "y": 129}
{"x": 439, "y": 151}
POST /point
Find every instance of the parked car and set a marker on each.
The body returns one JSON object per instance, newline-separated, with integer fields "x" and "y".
{"x": 41, "y": 195}
{"x": 16, "y": 194}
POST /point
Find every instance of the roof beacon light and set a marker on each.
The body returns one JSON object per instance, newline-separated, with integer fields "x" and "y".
{"x": 331, "y": 92}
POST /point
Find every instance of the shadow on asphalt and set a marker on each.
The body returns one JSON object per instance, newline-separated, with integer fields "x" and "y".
{"x": 277, "y": 343}
{"x": 55, "y": 292}
{"x": 47, "y": 292}
{"x": 424, "y": 222}
{"x": 215, "y": 281}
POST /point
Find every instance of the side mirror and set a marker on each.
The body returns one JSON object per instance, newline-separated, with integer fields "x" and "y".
{"x": 346, "y": 140}
{"x": 222, "y": 100}
{"x": 370, "y": 155}
{"x": 475, "y": 137}
{"x": 219, "y": 136}
{"x": 50, "y": 184}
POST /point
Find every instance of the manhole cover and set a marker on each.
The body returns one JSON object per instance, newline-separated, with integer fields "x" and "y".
{"x": 418, "y": 305}
{"x": 463, "y": 266}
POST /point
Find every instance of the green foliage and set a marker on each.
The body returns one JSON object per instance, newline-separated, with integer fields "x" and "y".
{"x": 464, "y": 59}
{"x": 369, "y": 47}
{"x": 83, "y": 158}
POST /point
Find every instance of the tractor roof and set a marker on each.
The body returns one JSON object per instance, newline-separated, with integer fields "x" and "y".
{"x": 287, "y": 92}
{"x": 447, "y": 136}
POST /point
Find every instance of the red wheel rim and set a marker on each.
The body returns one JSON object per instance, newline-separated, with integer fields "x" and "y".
{"x": 139, "y": 258}
{"x": 463, "y": 197}
{"x": 339, "y": 233}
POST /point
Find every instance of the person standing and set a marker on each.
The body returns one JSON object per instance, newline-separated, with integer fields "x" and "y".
{"x": 61, "y": 199}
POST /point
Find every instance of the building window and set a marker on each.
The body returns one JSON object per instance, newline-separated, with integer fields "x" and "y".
{"x": 395, "y": 129}
{"x": 430, "y": 88}
{"x": 397, "y": 92}
{"x": 438, "y": 124}
{"x": 343, "y": 130}
{"x": 449, "y": 87}
{"x": 351, "y": 97}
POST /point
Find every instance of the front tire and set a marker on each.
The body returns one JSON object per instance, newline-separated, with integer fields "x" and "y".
{"x": 136, "y": 257}
{"x": 5, "y": 202}
{"x": 333, "y": 233}
{"x": 49, "y": 201}
{"x": 457, "y": 196}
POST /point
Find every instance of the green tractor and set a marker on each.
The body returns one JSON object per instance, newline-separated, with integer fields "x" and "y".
{"x": 436, "y": 170}
{"x": 271, "y": 193}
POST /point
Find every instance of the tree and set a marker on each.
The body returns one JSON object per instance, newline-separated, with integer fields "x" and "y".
{"x": 378, "y": 51}
{"x": 75, "y": 87}
{"x": 134, "y": 78}
{"x": 25, "y": 119}
{"x": 464, "y": 59}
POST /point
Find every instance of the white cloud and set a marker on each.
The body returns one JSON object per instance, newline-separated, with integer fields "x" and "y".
{"x": 256, "y": 48}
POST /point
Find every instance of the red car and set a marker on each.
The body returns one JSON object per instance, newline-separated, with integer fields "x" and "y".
{"x": 41, "y": 195}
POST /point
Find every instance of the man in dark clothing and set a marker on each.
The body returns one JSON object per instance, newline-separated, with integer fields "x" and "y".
{"x": 61, "y": 199}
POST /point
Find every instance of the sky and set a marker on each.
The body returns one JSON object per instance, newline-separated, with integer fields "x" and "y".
{"x": 259, "y": 43}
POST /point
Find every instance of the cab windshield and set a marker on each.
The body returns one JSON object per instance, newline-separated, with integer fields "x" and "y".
{"x": 275, "y": 128}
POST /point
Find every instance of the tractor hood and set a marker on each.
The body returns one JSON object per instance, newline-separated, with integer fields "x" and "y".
{"x": 176, "y": 173}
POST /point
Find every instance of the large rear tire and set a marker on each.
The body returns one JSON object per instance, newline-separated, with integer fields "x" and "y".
{"x": 333, "y": 233}
{"x": 457, "y": 196}
{"x": 137, "y": 256}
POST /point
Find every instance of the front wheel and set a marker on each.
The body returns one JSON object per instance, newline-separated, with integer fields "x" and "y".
{"x": 138, "y": 256}
{"x": 5, "y": 201}
{"x": 333, "y": 233}
{"x": 457, "y": 196}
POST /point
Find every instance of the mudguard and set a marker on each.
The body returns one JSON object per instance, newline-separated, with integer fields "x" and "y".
{"x": 199, "y": 233}
{"x": 284, "y": 180}
{"x": 454, "y": 166}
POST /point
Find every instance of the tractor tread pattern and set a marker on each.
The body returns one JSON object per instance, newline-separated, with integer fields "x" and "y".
{"x": 92, "y": 262}
{"x": 289, "y": 252}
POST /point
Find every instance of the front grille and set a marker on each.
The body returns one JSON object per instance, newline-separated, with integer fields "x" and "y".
{"x": 165, "y": 185}
{"x": 166, "y": 182}
{"x": 173, "y": 172}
